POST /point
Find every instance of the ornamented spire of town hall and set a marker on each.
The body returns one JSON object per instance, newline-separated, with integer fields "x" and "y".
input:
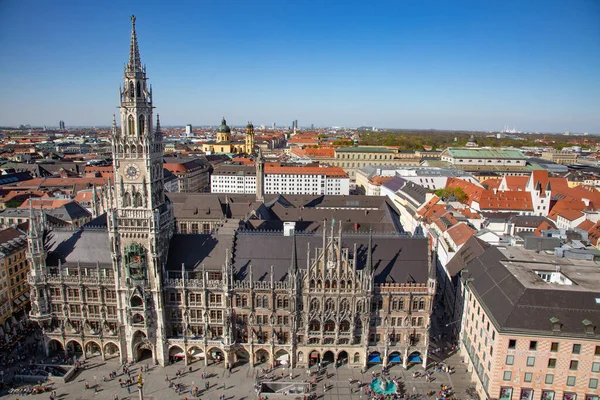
{"x": 135, "y": 64}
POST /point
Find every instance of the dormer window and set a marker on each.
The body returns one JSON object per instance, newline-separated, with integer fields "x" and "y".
{"x": 556, "y": 325}
{"x": 588, "y": 326}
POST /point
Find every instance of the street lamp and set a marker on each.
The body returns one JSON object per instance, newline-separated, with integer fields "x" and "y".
{"x": 140, "y": 385}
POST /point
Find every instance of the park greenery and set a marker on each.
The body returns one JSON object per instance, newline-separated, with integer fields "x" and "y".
{"x": 416, "y": 140}
{"x": 458, "y": 193}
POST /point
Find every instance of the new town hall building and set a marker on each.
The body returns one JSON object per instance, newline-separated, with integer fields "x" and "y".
{"x": 132, "y": 284}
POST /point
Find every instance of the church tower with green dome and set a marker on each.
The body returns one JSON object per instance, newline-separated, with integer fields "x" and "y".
{"x": 249, "y": 138}
{"x": 224, "y": 132}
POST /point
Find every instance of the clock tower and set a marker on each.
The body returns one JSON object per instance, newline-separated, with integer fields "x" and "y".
{"x": 140, "y": 219}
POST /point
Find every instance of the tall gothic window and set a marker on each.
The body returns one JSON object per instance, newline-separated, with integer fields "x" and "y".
{"x": 142, "y": 123}
{"x": 131, "y": 125}
{"x": 139, "y": 92}
{"x": 126, "y": 200}
{"x": 137, "y": 200}
{"x": 131, "y": 90}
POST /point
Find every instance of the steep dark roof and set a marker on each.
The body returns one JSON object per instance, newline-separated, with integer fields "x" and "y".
{"x": 84, "y": 246}
{"x": 395, "y": 259}
{"x": 472, "y": 248}
{"x": 518, "y": 307}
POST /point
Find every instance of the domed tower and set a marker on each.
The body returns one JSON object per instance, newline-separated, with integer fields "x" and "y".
{"x": 249, "y": 138}
{"x": 224, "y": 132}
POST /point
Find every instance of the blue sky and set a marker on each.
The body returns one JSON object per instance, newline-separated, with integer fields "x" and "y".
{"x": 402, "y": 64}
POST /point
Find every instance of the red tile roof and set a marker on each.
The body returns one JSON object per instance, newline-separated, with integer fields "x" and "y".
{"x": 460, "y": 233}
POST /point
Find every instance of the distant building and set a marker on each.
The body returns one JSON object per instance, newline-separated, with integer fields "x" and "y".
{"x": 355, "y": 157}
{"x": 369, "y": 178}
{"x": 560, "y": 157}
{"x": 225, "y": 143}
{"x": 192, "y": 173}
{"x": 188, "y": 130}
{"x": 61, "y": 125}
{"x": 477, "y": 160}
{"x": 241, "y": 179}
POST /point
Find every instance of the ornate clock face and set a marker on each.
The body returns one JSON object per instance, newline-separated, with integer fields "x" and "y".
{"x": 132, "y": 171}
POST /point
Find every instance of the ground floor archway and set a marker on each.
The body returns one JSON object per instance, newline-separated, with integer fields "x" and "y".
{"x": 195, "y": 353}
{"x": 92, "y": 349}
{"x": 415, "y": 358}
{"x": 176, "y": 354}
{"x": 111, "y": 350}
{"x": 74, "y": 348}
{"x": 55, "y": 347}
{"x": 261, "y": 356}
{"x": 328, "y": 357}
{"x": 241, "y": 356}
{"x": 215, "y": 355}
{"x": 342, "y": 358}
{"x": 374, "y": 358}
{"x": 395, "y": 357}
{"x": 314, "y": 358}
{"x": 282, "y": 357}
{"x": 144, "y": 354}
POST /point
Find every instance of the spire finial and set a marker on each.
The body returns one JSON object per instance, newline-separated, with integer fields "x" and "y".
{"x": 294, "y": 266}
{"x": 369, "y": 265}
{"x": 157, "y": 122}
{"x": 135, "y": 63}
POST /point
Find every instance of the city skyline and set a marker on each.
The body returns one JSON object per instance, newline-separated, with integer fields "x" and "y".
{"x": 448, "y": 66}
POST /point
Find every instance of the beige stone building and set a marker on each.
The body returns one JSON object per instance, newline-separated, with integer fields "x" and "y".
{"x": 560, "y": 157}
{"x": 14, "y": 290}
{"x": 530, "y": 326}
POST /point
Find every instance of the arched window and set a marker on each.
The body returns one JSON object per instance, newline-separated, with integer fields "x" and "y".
{"x": 314, "y": 325}
{"x": 265, "y": 302}
{"x": 279, "y": 302}
{"x": 344, "y": 306}
{"x": 300, "y": 356}
{"x": 356, "y": 357}
{"x": 131, "y": 90}
{"x": 286, "y": 303}
{"x": 137, "y": 200}
{"x": 342, "y": 284}
{"x": 329, "y": 326}
{"x": 345, "y": 326}
{"x": 142, "y": 124}
{"x": 349, "y": 284}
{"x": 259, "y": 301}
{"x": 421, "y": 303}
{"x": 131, "y": 127}
{"x": 395, "y": 304}
{"x": 244, "y": 301}
{"x": 401, "y": 304}
{"x": 359, "y": 307}
{"x": 314, "y": 305}
{"x": 329, "y": 306}
{"x": 420, "y": 321}
{"x": 312, "y": 284}
{"x": 327, "y": 284}
{"x": 334, "y": 284}
{"x": 139, "y": 91}
{"x": 319, "y": 284}
{"x": 126, "y": 200}
{"x": 415, "y": 304}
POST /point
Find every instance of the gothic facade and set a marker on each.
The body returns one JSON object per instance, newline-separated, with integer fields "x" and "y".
{"x": 127, "y": 286}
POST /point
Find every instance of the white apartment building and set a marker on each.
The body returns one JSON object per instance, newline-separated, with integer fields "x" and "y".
{"x": 370, "y": 178}
{"x": 241, "y": 179}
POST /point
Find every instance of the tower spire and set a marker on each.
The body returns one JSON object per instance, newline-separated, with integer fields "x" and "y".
{"x": 135, "y": 63}
{"x": 294, "y": 264}
{"x": 157, "y": 122}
